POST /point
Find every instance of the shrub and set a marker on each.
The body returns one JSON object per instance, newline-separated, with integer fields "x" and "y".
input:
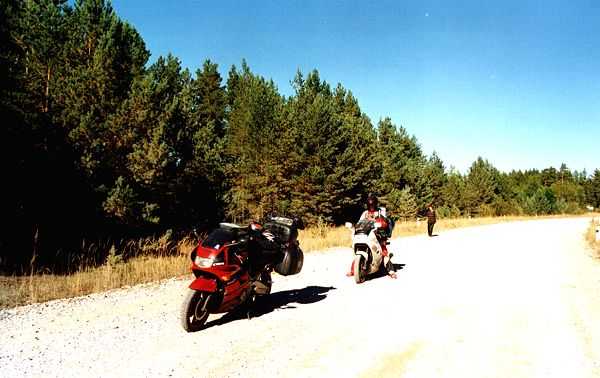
{"x": 114, "y": 259}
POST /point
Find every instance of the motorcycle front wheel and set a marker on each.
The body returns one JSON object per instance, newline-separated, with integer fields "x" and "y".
{"x": 192, "y": 315}
{"x": 359, "y": 270}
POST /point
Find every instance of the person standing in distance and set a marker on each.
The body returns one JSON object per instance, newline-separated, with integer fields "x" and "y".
{"x": 431, "y": 219}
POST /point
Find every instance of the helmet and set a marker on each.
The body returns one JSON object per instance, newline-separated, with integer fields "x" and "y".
{"x": 372, "y": 203}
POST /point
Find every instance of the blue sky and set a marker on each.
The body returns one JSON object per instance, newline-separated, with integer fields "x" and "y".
{"x": 516, "y": 82}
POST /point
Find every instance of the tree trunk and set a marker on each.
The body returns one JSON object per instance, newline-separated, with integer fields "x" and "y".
{"x": 47, "y": 93}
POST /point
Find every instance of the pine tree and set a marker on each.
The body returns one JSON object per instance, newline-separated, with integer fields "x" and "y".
{"x": 354, "y": 167}
{"x": 434, "y": 178}
{"x": 549, "y": 176}
{"x": 402, "y": 204}
{"x": 253, "y": 128}
{"x": 42, "y": 38}
{"x": 453, "y": 191}
{"x": 201, "y": 163}
{"x": 403, "y": 163}
{"x": 543, "y": 201}
{"x": 480, "y": 186}
{"x": 313, "y": 131}
{"x": 104, "y": 55}
{"x": 593, "y": 192}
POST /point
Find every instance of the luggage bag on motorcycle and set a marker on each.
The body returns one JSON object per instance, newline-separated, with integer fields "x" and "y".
{"x": 285, "y": 231}
{"x": 292, "y": 261}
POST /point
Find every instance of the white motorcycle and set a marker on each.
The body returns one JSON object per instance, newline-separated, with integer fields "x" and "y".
{"x": 368, "y": 253}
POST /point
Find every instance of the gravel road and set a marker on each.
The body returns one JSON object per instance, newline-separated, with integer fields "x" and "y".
{"x": 510, "y": 300}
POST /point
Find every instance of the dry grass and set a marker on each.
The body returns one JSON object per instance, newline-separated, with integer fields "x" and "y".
{"x": 323, "y": 237}
{"x": 44, "y": 287}
{"x": 152, "y": 263}
{"x": 149, "y": 260}
{"x": 591, "y": 236}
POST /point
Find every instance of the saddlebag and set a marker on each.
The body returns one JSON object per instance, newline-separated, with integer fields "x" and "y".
{"x": 284, "y": 229}
{"x": 292, "y": 261}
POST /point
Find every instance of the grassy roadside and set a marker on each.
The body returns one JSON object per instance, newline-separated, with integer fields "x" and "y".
{"x": 114, "y": 273}
{"x": 590, "y": 236}
{"x": 15, "y": 291}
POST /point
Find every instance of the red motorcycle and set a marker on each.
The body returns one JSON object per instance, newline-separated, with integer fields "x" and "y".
{"x": 232, "y": 267}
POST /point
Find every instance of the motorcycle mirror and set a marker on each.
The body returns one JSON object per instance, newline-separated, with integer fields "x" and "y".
{"x": 348, "y": 225}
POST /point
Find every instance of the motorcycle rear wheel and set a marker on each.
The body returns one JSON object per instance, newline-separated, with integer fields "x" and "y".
{"x": 359, "y": 276}
{"x": 192, "y": 316}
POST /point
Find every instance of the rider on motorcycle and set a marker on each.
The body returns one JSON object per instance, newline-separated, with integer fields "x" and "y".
{"x": 372, "y": 213}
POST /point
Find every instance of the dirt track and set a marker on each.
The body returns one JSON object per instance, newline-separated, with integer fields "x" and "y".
{"x": 511, "y": 300}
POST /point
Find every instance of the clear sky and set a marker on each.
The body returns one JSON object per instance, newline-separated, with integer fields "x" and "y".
{"x": 516, "y": 82}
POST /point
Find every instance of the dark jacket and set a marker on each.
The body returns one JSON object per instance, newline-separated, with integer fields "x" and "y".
{"x": 430, "y": 215}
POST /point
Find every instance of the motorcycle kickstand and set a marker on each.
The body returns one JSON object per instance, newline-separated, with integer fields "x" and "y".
{"x": 250, "y": 306}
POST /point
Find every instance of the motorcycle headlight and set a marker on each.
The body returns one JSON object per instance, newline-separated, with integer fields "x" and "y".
{"x": 203, "y": 262}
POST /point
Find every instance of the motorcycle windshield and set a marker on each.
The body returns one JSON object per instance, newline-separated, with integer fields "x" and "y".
{"x": 218, "y": 238}
{"x": 364, "y": 226}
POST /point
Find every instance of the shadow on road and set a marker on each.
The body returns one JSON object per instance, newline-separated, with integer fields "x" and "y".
{"x": 380, "y": 274}
{"x": 279, "y": 300}
{"x": 398, "y": 267}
